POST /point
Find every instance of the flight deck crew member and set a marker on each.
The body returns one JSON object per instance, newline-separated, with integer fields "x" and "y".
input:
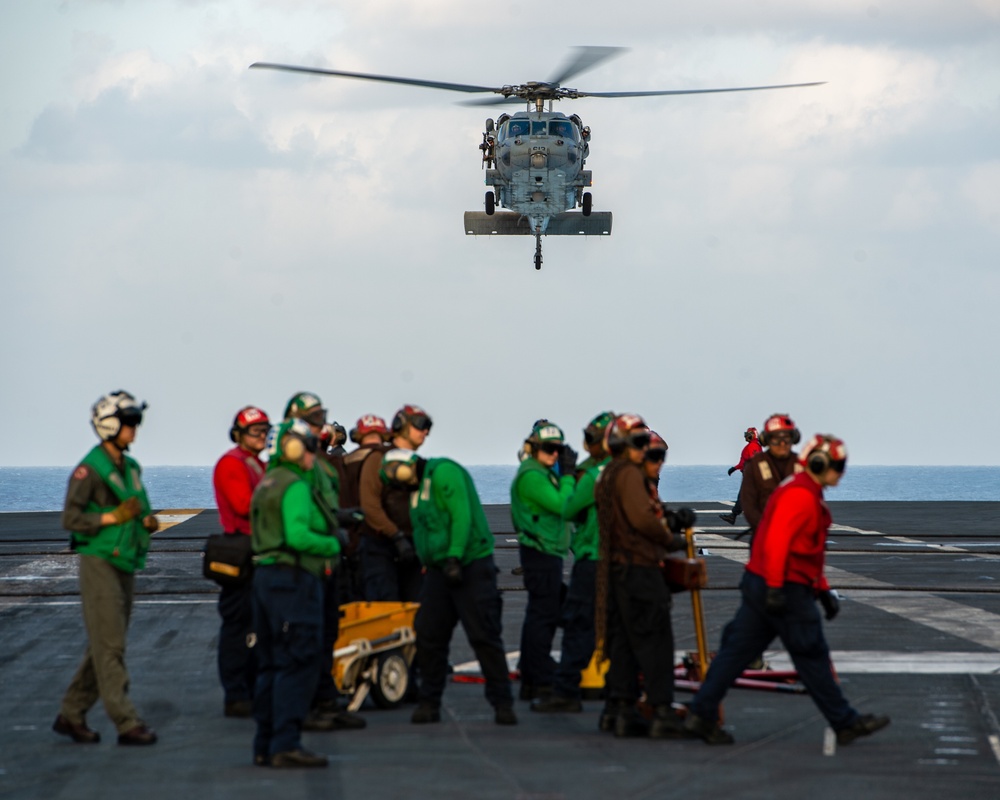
{"x": 326, "y": 713}
{"x": 578, "y": 608}
{"x": 369, "y": 433}
{"x": 295, "y": 546}
{"x": 635, "y": 538}
{"x": 769, "y": 468}
{"x": 538, "y": 496}
{"x": 780, "y": 587}
{"x": 235, "y": 477}
{"x": 389, "y": 565}
{"x": 110, "y": 520}
{"x": 454, "y": 543}
{"x": 751, "y": 449}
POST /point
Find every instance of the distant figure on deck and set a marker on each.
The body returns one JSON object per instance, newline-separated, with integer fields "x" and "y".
{"x": 766, "y": 470}
{"x": 749, "y": 451}
{"x": 780, "y": 588}
{"x": 235, "y": 477}
{"x": 109, "y": 516}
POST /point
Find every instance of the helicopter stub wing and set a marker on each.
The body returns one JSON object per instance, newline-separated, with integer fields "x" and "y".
{"x": 510, "y": 223}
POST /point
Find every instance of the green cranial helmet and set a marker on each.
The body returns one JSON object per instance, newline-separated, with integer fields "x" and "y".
{"x": 594, "y": 432}
{"x": 546, "y": 432}
{"x": 307, "y": 406}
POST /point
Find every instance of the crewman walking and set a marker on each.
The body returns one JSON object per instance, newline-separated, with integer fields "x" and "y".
{"x": 751, "y": 449}
{"x": 780, "y": 588}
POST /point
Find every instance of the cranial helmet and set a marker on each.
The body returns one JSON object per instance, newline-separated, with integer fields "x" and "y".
{"x": 777, "y": 423}
{"x": 628, "y": 430}
{"x": 411, "y": 415}
{"x": 822, "y": 452}
{"x": 307, "y": 406}
{"x": 369, "y": 423}
{"x": 333, "y": 434}
{"x": 292, "y": 439}
{"x": 594, "y": 432}
{"x": 402, "y": 466}
{"x": 245, "y": 417}
{"x": 750, "y": 434}
{"x": 112, "y": 411}
{"x": 545, "y": 432}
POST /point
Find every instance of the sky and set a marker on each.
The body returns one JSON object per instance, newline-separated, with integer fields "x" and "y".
{"x": 207, "y": 236}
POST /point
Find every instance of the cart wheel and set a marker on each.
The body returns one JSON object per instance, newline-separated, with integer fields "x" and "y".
{"x": 392, "y": 679}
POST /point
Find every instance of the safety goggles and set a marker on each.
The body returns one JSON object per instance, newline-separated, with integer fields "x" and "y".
{"x": 784, "y": 437}
{"x": 421, "y": 422}
{"x": 656, "y": 455}
{"x": 316, "y": 417}
{"x": 256, "y": 431}
{"x": 591, "y": 436}
{"x": 551, "y": 448}
{"x": 640, "y": 441}
{"x": 130, "y": 418}
{"x": 839, "y": 466}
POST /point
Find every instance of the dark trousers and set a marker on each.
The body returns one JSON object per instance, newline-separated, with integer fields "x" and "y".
{"x": 383, "y": 575}
{"x": 477, "y": 605}
{"x": 237, "y": 664}
{"x": 640, "y": 635}
{"x": 288, "y": 618}
{"x": 738, "y": 505}
{"x": 578, "y": 629}
{"x": 543, "y": 580}
{"x": 326, "y": 689}
{"x": 753, "y": 629}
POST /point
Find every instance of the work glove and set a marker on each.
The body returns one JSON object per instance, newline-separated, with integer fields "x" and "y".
{"x": 775, "y": 602}
{"x": 130, "y": 509}
{"x": 678, "y": 542}
{"x": 344, "y": 538}
{"x": 404, "y": 547}
{"x": 567, "y": 461}
{"x": 830, "y": 601}
{"x": 681, "y": 519}
{"x": 349, "y": 517}
{"x": 152, "y": 524}
{"x": 452, "y": 570}
{"x": 731, "y": 470}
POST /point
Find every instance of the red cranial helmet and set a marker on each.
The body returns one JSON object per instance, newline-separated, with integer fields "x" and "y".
{"x": 245, "y": 417}
{"x": 824, "y": 451}
{"x": 628, "y": 430}
{"x": 777, "y": 423}
{"x": 369, "y": 423}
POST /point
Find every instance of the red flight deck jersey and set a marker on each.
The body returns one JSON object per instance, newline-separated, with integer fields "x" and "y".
{"x": 753, "y": 447}
{"x": 790, "y": 543}
{"x": 236, "y": 475}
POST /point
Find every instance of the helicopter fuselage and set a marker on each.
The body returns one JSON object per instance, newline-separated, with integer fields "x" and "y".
{"x": 538, "y": 160}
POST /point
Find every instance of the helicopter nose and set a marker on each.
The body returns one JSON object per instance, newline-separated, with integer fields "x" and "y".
{"x": 538, "y": 160}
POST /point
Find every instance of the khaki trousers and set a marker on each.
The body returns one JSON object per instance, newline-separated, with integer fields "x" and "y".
{"x": 106, "y": 597}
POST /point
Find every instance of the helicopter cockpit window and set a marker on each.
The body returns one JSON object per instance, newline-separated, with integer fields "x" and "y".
{"x": 538, "y": 129}
{"x": 563, "y": 129}
{"x": 517, "y": 127}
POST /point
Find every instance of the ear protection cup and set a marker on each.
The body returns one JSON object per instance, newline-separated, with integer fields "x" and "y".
{"x": 398, "y": 422}
{"x": 818, "y": 462}
{"x": 234, "y": 434}
{"x": 405, "y": 473}
{"x": 293, "y": 448}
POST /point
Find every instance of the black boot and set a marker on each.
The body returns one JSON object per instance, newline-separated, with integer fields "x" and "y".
{"x": 666, "y": 724}
{"x": 630, "y": 724}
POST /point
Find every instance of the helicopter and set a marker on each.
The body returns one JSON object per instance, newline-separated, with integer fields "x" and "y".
{"x": 534, "y": 159}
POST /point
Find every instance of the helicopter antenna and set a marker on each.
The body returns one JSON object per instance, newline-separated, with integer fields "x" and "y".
{"x": 538, "y": 247}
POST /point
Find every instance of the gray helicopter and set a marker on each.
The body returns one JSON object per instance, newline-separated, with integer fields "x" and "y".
{"x": 534, "y": 159}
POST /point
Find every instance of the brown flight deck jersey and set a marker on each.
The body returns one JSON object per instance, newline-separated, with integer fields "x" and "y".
{"x": 761, "y": 477}
{"x": 638, "y": 533}
{"x": 386, "y": 508}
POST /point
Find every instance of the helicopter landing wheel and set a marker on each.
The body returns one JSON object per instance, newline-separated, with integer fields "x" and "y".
{"x": 491, "y": 203}
{"x": 588, "y": 203}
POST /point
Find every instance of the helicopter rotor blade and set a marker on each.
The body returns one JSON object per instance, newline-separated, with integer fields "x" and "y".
{"x": 697, "y": 91}
{"x": 584, "y": 59}
{"x": 494, "y": 101}
{"x": 453, "y": 87}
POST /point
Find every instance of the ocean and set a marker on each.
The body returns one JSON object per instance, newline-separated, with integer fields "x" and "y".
{"x": 43, "y": 488}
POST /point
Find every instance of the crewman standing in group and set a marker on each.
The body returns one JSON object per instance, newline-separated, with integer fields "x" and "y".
{"x": 389, "y": 565}
{"x": 454, "y": 543}
{"x": 543, "y": 483}
{"x": 633, "y": 606}
{"x": 751, "y": 449}
{"x": 295, "y": 547}
{"x": 234, "y": 479}
{"x": 766, "y": 470}
{"x": 110, "y": 520}
{"x": 578, "y": 608}
{"x": 325, "y": 476}
{"x": 780, "y": 587}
